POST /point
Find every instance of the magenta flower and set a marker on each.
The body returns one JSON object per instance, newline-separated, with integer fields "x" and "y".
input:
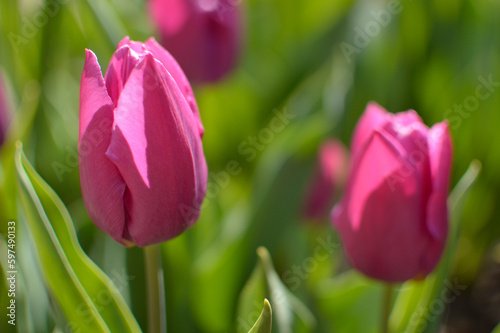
{"x": 393, "y": 217}
{"x": 4, "y": 113}
{"x": 203, "y": 35}
{"x": 327, "y": 181}
{"x": 142, "y": 168}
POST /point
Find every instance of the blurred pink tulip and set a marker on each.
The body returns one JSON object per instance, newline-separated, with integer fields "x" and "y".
{"x": 327, "y": 181}
{"x": 4, "y": 113}
{"x": 393, "y": 217}
{"x": 142, "y": 168}
{"x": 203, "y": 35}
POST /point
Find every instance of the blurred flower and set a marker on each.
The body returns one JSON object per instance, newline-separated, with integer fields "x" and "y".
{"x": 393, "y": 217}
{"x": 142, "y": 168}
{"x": 4, "y": 113}
{"x": 203, "y": 35}
{"x": 328, "y": 180}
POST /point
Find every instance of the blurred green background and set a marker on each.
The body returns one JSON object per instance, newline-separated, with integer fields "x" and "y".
{"x": 320, "y": 63}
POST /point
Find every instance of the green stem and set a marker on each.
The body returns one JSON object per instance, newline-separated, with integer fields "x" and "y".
{"x": 386, "y": 308}
{"x": 157, "y": 316}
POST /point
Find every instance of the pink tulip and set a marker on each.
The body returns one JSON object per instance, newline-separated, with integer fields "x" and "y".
{"x": 4, "y": 113}
{"x": 203, "y": 35}
{"x": 142, "y": 168}
{"x": 393, "y": 217}
{"x": 328, "y": 180}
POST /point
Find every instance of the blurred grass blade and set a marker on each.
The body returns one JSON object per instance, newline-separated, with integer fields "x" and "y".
{"x": 264, "y": 322}
{"x": 496, "y": 329}
{"x": 412, "y": 309}
{"x": 87, "y": 297}
{"x": 109, "y": 20}
{"x": 459, "y": 193}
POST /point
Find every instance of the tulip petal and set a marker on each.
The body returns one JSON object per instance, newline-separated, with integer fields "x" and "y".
{"x": 440, "y": 153}
{"x": 102, "y": 185}
{"x": 374, "y": 117}
{"x": 180, "y": 78}
{"x": 178, "y": 13}
{"x": 121, "y": 65}
{"x": 328, "y": 179}
{"x": 157, "y": 148}
{"x": 4, "y": 113}
{"x": 409, "y": 130}
{"x": 381, "y": 209}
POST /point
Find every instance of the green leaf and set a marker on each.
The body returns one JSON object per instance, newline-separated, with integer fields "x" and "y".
{"x": 87, "y": 297}
{"x": 264, "y": 322}
{"x": 412, "y": 310}
{"x": 496, "y": 329}
{"x": 290, "y": 313}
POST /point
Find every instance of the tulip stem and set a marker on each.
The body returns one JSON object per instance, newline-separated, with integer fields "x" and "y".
{"x": 157, "y": 316}
{"x": 386, "y": 307}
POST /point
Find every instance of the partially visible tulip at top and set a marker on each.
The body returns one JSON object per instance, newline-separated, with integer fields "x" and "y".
{"x": 328, "y": 180}
{"x": 4, "y": 113}
{"x": 393, "y": 217}
{"x": 203, "y": 35}
{"x": 142, "y": 168}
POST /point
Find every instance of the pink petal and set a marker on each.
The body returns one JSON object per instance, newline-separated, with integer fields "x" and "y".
{"x": 440, "y": 153}
{"x": 328, "y": 179}
{"x": 178, "y": 12}
{"x": 380, "y": 219}
{"x": 102, "y": 185}
{"x": 157, "y": 148}
{"x": 373, "y": 118}
{"x": 203, "y": 37}
{"x": 4, "y": 113}
{"x": 121, "y": 65}
{"x": 180, "y": 78}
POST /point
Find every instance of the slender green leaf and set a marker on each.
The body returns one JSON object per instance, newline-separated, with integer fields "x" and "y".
{"x": 290, "y": 314}
{"x": 88, "y": 298}
{"x": 264, "y": 322}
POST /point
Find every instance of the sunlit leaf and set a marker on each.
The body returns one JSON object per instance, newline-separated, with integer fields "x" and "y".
{"x": 88, "y": 298}
{"x": 264, "y": 322}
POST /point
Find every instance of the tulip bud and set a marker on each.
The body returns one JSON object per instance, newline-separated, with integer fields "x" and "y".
{"x": 203, "y": 35}
{"x": 142, "y": 168}
{"x": 327, "y": 181}
{"x": 393, "y": 217}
